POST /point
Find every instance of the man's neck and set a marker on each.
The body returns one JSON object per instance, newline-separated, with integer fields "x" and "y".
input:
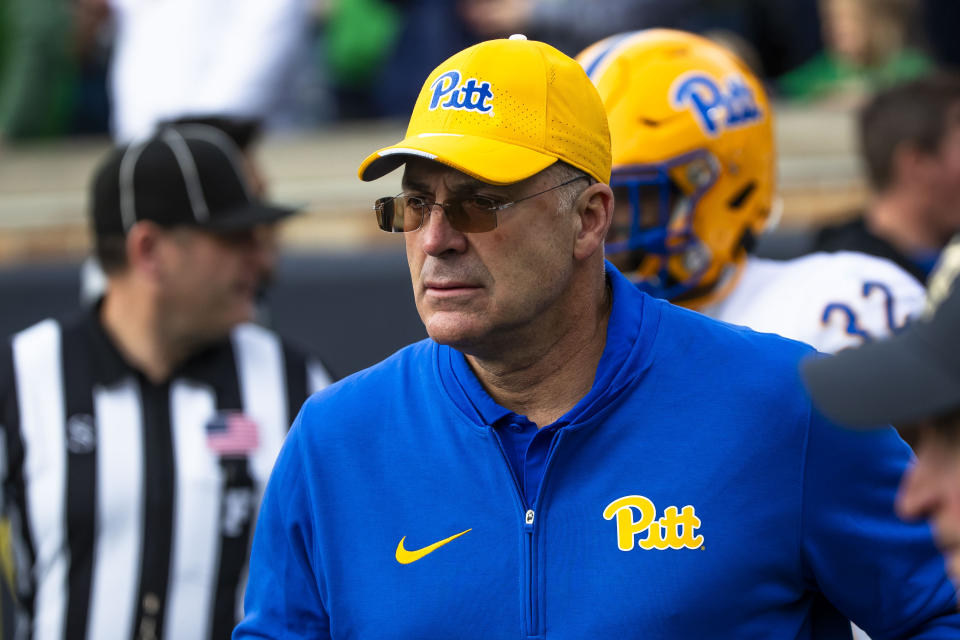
{"x": 543, "y": 381}
{"x": 133, "y": 325}
{"x": 900, "y": 221}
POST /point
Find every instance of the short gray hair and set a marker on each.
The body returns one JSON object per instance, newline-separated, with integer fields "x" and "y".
{"x": 562, "y": 172}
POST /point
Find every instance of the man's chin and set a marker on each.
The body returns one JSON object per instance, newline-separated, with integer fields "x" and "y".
{"x": 239, "y": 314}
{"x": 457, "y": 330}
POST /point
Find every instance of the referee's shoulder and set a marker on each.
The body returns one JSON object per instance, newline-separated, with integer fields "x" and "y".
{"x": 296, "y": 356}
{"x": 64, "y": 327}
{"x": 34, "y": 341}
{"x": 70, "y": 320}
{"x": 251, "y": 335}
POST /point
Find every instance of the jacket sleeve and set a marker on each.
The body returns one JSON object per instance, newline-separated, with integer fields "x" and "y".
{"x": 283, "y": 596}
{"x": 884, "y": 574}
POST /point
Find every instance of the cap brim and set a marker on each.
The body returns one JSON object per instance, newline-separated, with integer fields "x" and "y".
{"x": 247, "y": 217}
{"x": 485, "y": 159}
{"x": 889, "y": 381}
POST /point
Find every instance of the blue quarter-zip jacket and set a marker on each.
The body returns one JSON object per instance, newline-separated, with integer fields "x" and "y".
{"x": 693, "y": 493}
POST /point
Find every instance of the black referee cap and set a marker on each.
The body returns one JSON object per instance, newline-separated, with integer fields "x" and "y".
{"x": 183, "y": 175}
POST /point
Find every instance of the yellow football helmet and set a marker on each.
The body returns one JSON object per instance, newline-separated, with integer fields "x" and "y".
{"x": 693, "y": 155}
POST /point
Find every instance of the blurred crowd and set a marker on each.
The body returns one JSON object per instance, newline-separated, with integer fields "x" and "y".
{"x": 79, "y": 67}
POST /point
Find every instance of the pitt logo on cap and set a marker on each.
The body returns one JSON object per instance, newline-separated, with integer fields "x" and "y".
{"x": 675, "y": 530}
{"x": 472, "y": 95}
{"x": 714, "y": 106}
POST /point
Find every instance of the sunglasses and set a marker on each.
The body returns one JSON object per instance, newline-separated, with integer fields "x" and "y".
{"x": 467, "y": 214}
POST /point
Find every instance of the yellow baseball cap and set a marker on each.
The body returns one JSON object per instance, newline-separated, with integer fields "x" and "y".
{"x": 501, "y": 111}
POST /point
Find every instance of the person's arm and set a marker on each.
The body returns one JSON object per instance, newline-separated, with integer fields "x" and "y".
{"x": 884, "y": 574}
{"x": 283, "y": 597}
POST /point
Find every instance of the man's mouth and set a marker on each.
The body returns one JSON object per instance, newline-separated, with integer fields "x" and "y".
{"x": 449, "y": 288}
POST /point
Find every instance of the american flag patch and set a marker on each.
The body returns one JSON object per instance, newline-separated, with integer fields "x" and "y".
{"x": 232, "y": 434}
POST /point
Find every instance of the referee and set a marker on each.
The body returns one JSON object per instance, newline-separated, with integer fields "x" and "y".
{"x": 137, "y": 436}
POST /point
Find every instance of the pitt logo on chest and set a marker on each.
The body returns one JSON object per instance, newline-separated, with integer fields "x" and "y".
{"x": 636, "y": 514}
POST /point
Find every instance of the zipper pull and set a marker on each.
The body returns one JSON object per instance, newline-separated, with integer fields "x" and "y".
{"x": 528, "y": 520}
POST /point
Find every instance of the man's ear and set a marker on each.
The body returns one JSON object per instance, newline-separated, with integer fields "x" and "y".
{"x": 595, "y": 209}
{"x": 143, "y": 244}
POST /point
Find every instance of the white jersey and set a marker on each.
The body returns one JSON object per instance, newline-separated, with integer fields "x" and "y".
{"x": 831, "y": 301}
{"x": 177, "y": 58}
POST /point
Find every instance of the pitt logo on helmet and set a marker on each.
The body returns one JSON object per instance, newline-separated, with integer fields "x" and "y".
{"x": 715, "y": 107}
{"x": 675, "y": 530}
{"x": 472, "y": 95}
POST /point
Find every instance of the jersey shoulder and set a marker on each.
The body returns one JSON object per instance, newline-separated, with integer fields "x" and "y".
{"x": 863, "y": 283}
{"x": 828, "y": 300}
{"x": 841, "y": 267}
{"x": 43, "y": 336}
{"x": 31, "y": 359}
{"x": 250, "y": 334}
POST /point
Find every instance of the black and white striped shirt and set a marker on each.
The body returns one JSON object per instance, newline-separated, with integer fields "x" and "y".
{"x": 129, "y": 518}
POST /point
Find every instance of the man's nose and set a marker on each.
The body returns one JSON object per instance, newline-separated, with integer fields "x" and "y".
{"x": 437, "y": 235}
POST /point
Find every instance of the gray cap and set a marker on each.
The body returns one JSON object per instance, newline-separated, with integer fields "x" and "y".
{"x": 912, "y": 376}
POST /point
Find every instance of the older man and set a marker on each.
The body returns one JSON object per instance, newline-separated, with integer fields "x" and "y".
{"x": 567, "y": 457}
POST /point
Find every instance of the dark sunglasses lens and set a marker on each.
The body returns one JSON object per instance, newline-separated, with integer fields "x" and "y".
{"x": 472, "y": 216}
{"x": 386, "y": 213}
{"x": 398, "y": 214}
{"x": 410, "y": 213}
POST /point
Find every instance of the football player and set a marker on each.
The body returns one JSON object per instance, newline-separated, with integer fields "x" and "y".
{"x": 694, "y": 168}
